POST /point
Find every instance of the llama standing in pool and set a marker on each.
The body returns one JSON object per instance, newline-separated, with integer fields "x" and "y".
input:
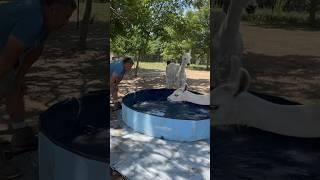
{"x": 233, "y": 105}
{"x": 227, "y": 40}
{"x": 176, "y": 74}
{"x": 183, "y": 95}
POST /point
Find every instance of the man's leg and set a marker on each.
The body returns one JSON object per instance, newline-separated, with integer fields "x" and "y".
{"x": 7, "y": 169}
{"x": 15, "y": 108}
{"x": 23, "y": 138}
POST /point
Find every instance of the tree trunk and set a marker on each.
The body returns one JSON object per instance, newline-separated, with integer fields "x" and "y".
{"x": 138, "y": 60}
{"x": 208, "y": 59}
{"x": 313, "y": 4}
{"x": 142, "y": 53}
{"x": 108, "y": 30}
{"x": 85, "y": 25}
{"x": 226, "y": 5}
{"x": 211, "y": 24}
{"x": 78, "y": 14}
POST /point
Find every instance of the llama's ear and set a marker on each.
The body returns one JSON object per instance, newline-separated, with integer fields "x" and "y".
{"x": 244, "y": 82}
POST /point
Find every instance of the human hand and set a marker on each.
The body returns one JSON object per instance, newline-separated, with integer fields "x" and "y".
{"x": 116, "y": 105}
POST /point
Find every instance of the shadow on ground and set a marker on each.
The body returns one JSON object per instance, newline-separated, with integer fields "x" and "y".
{"x": 293, "y": 76}
{"x": 253, "y": 154}
{"x": 62, "y": 71}
{"x": 300, "y": 27}
{"x": 150, "y": 79}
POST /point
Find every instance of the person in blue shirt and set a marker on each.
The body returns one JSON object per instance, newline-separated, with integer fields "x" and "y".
{"x": 25, "y": 25}
{"x": 117, "y": 71}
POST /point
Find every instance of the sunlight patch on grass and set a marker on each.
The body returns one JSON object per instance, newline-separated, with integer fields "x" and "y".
{"x": 153, "y": 65}
{"x": 162, "y": 66}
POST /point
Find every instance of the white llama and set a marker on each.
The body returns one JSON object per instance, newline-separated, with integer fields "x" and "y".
{"x": 176, "y": 74}
{"x": 183, "y": 95}
{"x": 227, "y": 40}
{"x": 232, "y": 104}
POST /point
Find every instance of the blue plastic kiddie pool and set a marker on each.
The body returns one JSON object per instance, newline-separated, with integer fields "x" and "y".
{"x": 73, "y": 139}
{"x": 149, "y": 112}
{"x": 256, "y": 154}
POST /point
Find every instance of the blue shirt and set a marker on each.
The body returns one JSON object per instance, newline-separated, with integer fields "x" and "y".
{"x": 116, "y": 68}
{"x": 24, "y": 20}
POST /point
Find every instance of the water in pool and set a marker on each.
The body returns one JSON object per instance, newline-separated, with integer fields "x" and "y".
{"x": 174, "y": 110}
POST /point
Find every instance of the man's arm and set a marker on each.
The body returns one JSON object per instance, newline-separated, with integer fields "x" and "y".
{"x": 27, "y": 62}
{"x": 10, "y": 55}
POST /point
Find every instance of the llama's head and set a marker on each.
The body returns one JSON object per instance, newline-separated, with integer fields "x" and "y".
{"x": 186, "y": 58}
{"x": 178, "y": 95}
{"x": 224, "y": 98}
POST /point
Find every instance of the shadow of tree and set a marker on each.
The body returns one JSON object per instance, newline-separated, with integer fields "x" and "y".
{"x": 139, "y": 155}
{"x": 300, "y": 27}
{"x": 293, "y": 76}
{"x": 152, "y": 78}
{"x": 63, "y": 71}
{"x": 168, "y": 157}
{"x": 252, "y": 154}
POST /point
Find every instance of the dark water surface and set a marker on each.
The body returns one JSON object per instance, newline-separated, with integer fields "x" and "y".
{"x": 154, "y": 102}
{"x": 173, "y": 110}
{"x": 80, "y": 125}
{"x": 249, "y": 153}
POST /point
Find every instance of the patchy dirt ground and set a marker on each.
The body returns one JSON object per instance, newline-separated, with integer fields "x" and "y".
{"x": 62, "y": 71}
{"x": 147, "y": 79}
{"x": 284, "y": 62}
{"x": 281, "y": 62}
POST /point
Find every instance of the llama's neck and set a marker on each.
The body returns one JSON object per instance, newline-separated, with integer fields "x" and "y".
{"x": 196, "y": 98}
{"x": 181, "y": 69}
{"x": 183, "y": 64}
{"x": 291, "y": 120}
{"x": 232, "y": 21}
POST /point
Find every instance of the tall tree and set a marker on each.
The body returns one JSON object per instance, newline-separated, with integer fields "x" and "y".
{"x": 85, "y": 25}
{"x": 313, "y": 7}
{"x": 142, "y": 21}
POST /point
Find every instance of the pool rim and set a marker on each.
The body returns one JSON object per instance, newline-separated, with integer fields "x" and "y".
{"x": 134, "y": 109}
{"x": 62, "y": 145}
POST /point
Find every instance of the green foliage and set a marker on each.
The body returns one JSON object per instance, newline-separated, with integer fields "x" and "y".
{"x": 292, "y": 18}
{"x": 160, "y": 29}
{"x": 288, "y": 13}
{"x": 279, "y": 6}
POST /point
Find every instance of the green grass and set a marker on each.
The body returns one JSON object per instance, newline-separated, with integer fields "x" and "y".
{"x": 265, "y": 16}
{"x": 153, "y": 65}
{"x": 162, "y": 66}
{"x": 199, "y": 67}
